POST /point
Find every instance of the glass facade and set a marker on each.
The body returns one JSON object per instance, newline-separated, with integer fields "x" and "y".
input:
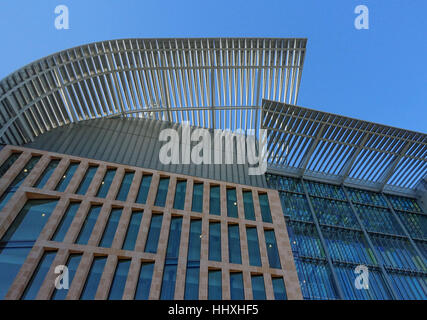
{"x": 8, "y": 163}
{"x": 65, "y": 222}
{"x": 93, "y": 278}
{"x": 132, "y": 231}
{"x": 253, "y": 247}
{"x": 214, "y": 285}
{"x": 88, "y": 224}
{"x": 72, "y": 265}
{"x": 111, "y": 227}
{"x": 334, "y": 229}
{"x": 248, "y": 203}
{"x": 125, "y": 186}
{"x": 197, "y": 202}
{"x": 214, "y": 200}
{"x": 215, "y": 241}
{"x": 181, "y": 187}
{"x": 232, "y": 203}
{"x": 234, "y": 253}
{"x": 265, "y": 207}
{"x": 144, "y": 187}
{"x": 144, "y": 281}
{"x": 154, "y": 233}
{"x": 237, "y": 291}
{"x": 258, "y": 287}
{"x": 162, "y": 192}
{"x": 193, "y": 261}
{"x": 46, "y": 173}
{"x": 119, "y": 280}
{"x": 279, "y": 288}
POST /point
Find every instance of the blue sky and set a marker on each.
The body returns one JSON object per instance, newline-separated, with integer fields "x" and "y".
{"x": 378, "y": 74}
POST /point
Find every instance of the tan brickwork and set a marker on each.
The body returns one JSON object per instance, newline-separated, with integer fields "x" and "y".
{"x": 115, "y": 253}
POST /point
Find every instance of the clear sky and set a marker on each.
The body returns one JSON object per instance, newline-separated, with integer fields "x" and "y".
{"x": 378, "y": 74}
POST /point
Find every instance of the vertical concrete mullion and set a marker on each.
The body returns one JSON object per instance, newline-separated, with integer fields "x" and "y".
{"x": 132, "y": 279}
{"x": 80, "y": 277}
{"x": 156, "y": 283}
{"x": 268, "y": 283}
{"x": 374, "y": 251}
{"x": 77, "y": 177}
{"x": 182, "y": 260}
{"x": 54, "y": 219}
{"x": 11, "y": 210}
{"x": 322, "y": 241}
{"x": 57, "y": 174}
{"x": 247, "y": 285}
{"x": 77, "y": 223}
{"x": 14, "y": 170}
{"x": 36, "y": 172}
{"x": 189, "y": 195}
{"x": 101, "y": 223}
{"x": 225, "y": 275}
{"x": 106, "y": 280}
{"x": 223, "y": 199}
{"x": 115, "y": 184}
{"x": 143, "y": 230}
{"x": 171, "y": 193}
{"x": 96, "y": 181}
{"x": 134, "y": 187}
{"x": 204, "y": 252}
{"x": 122, "y": 228}
{"x": 48, "y": 285}
{"x": 151, "y": 197}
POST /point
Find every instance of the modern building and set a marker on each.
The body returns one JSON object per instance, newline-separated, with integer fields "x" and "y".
{"x": 81, "y": 184}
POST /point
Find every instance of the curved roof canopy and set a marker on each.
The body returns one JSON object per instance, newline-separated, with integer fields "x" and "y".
{"x": 212, "y": 83}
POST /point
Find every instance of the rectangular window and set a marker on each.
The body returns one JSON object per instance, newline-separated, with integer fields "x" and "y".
{"x": 154, "y": 233}
{"x": 171, "y": 260}
{"x": 46, "y": 174}
{"x": 253, "y": 247}
{"x": 124, "y": 188}
{"x": 87, "y": 180}
{"x": 237, "y": 290}
{"x": 215, "y": 285}
{"x": 197, "y": 203}
{"x": 93, "y": 278}
{"x": 132, "y": 231}
{"x": 215, "y": 241}
{"x": 66, "y": 221}
{"x": 258, "y": 288}
{"x": 66, "y": 178}
{"x": 214, "y": 201}
{"x": 16, "y": 183}
{"x": 272, "y": 251}
{"x": 234, "y": 253}
{"x": 110, "y": 230}
{"x": 265, "y": 208}
{"x": 193, "y": 261}
{"x": 119, "y": 280}
{"x": 20, "y": 238}
{"x": 8, "y": 163}
{"x": 232, "y": 203}
{"x": 162, "y": 192}
{"x": 279, "y": 288}
{"x": 144, "y": 187}
{"x": 106, "y": 183}
{"x": 72, "y": 265}
{"x": 88, "y": 224}
{"x": 248, "y": 203}
{"x": 144, "y": 282}
{"x": 179, "y": 201}
{"x": 38, "y": 276}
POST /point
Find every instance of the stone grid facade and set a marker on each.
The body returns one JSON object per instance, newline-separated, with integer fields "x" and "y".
{"x": 137, "y": 256}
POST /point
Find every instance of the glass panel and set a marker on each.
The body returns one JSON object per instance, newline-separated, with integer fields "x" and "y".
{"x": 284, "y": 183}
{"x": 404, "y": 204}
{"x": 171, "y": 260}
{"x": 8, "y": 163}
{"x": 325, "y": 190}
{"x": 265, "y": 208}
{"x": 87, "y": 180}
{"x": 232, "y": 203}
{"x": 253, "y": 246}
{"x": 337, "y": 213}
{"x": 258, "y": 288}
{"x": 119, "y": 280}
{"x": 215, "y": 241}
{"x": 66, "y": 221}
{"x": 106, "y": 183}
{"x": 124, "y": 188}
{"x": 197, "y": 203}
{"x": 304, "y": 239}
{"x": 193, "y": 261}
{"x": 38, "y": 276}
{"x": 162, "y": 192}
{"x": 66, "y": 178}
{"x": 30, "y": 221}
{"x": 272, "y": 251}
{"x": 144, "y": 187}
{"x": 88, "y": 225}
{"x": 11, "y": 261}
{"x": 295, "y": 206}
{"x": 234, "y": 253}
{"x": 415, "y": 224}
{"x": 215, "y": 285}
{"x": 93, "y": 278}
{"x": 46, "y": 174}
{"x": 409, "y": 287}
{"x": 16, "y": 183}
{"x": 315, "y": 280}
{"x": 279, "y": 289}
{"x": 214, "y": 202}
{"x": 179, "y": 201}
{"x": 72, "y": 264}
{"x": 132, "y": 232}
{"x": 248, "y": 203}
{"x": 144, "y": 282}
{"x": 110, "y": 229}
{"x": 237, "y": 291}
{"x": 378, "y": 220}
{"x": 366, "y": 197}
{"x": 154, "y": 233}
